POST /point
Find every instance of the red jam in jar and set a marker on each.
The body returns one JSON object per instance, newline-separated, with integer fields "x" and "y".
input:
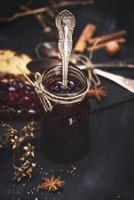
{"x": 65, "y": 130}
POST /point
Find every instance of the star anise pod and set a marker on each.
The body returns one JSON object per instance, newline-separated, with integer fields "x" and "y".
{"x": 52, "y": 184}
{"x": 98, "y": 93}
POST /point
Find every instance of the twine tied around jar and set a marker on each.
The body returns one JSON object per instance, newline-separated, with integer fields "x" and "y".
{"x": 47, "y": 98}
{"x": 92, "y": 76}
{"x": 38, "y": 87}
{"x": 87, "y": 61}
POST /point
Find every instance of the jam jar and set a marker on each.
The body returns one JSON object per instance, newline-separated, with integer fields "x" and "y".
{"x": 65, "y": 130}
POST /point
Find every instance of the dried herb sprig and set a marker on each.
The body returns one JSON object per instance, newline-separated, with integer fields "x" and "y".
{"x": 56, "y": 5}
{"x": 11, "y": 135}
{"x": 52, "y": 184}
{"x": 30, "y": 130}
{"x": 23, "y": 164}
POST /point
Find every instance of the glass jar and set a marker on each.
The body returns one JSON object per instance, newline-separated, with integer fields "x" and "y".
{"x": 65, "y": 130}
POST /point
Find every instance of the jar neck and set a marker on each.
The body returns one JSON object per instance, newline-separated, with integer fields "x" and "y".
{"x": 48, "y": 97}
{"x": 75, "y": 76}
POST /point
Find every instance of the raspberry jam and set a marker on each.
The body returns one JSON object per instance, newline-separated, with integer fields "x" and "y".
{"x": 65, "y": 130}
{"x": 18, "y": 98}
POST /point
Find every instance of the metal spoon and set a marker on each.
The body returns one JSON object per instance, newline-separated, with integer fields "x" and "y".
{"x": 109, "y": 66}
{"x": 65, "y": 22}
{"x": 120, "y": 80}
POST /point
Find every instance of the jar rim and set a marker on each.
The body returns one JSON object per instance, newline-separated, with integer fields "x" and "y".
{"x": 72, "y": 69}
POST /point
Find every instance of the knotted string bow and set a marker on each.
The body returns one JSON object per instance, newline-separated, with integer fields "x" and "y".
{"x": 47, "y": 97}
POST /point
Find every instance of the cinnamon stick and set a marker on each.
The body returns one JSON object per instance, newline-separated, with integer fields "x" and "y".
{"x": 85, "y": 35}
{"x": 107, "y": 37}
{"x": 103, "y": 45}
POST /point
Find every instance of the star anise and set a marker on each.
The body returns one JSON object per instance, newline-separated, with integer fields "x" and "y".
{"x": 98, "y": 93}
{"x": 52, "y": 184}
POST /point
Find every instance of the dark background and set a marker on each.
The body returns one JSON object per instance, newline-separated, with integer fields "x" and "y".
{"x": 27, "y": 32}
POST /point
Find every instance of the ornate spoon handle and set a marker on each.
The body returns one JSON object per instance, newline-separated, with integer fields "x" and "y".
{"x": 120, "y": 80}
{"x": 65, "y": 22}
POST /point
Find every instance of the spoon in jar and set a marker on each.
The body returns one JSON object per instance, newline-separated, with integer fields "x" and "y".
{"x": 65, "y": 22}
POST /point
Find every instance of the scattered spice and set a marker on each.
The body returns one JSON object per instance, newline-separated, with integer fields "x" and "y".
{"x": 52, "y": 184}
{"x": 98, "y": 92}
{"x": 71, "y": 170}
{"x": 23, "y": 163}
{"x": 11, "y": 135}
